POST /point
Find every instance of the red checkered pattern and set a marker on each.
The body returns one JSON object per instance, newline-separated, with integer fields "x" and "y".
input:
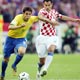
{"x": 47, "y": 28}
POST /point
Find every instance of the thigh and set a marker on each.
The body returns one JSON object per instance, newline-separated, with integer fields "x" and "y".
{"x": 52, "y": 41}
{"x": 41, "y": 47}
{"x": 20, "y": 46}
{"x": 41, "y": 50}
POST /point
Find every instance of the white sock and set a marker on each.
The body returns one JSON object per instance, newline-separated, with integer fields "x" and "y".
{"x": 48, "y": 60}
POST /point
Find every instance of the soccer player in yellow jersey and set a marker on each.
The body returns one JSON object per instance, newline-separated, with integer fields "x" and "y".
{"x": 15, "y": 41}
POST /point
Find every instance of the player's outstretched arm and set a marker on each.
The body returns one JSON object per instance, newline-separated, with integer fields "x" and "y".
{"x": 41, "y": 17}
{"x": 69, "y": 19}
{"x": 13, "y": 27}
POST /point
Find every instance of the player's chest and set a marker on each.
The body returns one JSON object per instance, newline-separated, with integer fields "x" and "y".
{"x": 50, "y": 15}
{"x": 28, "y": 24}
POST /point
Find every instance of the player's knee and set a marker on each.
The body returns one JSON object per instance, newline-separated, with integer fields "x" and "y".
{"x": 6, "y": 60}
{"x": 21, "y": 50}
{"x": 51, "y": 48}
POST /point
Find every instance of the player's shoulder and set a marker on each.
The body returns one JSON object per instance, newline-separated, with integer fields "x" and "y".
{"x": 19, "y": 16}
{"x": 42, "y": 9}
{"x": 33, "y": 17}
{"x": 54, "y": 10}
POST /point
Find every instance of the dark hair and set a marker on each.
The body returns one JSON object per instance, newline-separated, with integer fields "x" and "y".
{"x": 47, "y": 1}
{"x": 27, "y": 9}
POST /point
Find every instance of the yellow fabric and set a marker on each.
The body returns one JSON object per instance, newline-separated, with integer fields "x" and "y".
{"x": 1, "y": 30}
{"x": 21, "y": 32}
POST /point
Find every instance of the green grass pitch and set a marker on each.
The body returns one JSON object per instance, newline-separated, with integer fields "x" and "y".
{"x": 63, "y": 67}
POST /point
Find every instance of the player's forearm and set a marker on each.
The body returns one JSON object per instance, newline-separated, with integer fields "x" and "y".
{"x": 68, "y": 18}
{"x": 47, "y": 20}
{"x": 44, "y": 19}
{"x": 12, "y": 27}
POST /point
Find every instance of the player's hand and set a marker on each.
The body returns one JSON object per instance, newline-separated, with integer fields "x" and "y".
{"x": 23, "y": 25}
{"x": 77, "y": 20}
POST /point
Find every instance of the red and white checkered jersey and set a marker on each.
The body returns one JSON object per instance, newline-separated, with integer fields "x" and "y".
{"x": 45, "y": 27}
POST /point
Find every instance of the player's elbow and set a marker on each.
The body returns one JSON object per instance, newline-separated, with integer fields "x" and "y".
{"x": 9, "y": 27}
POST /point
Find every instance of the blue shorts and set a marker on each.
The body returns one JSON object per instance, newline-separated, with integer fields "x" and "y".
{"x": 12, "y": 44}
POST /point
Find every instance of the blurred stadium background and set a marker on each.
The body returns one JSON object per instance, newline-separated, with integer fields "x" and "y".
{"x": 64, "y": 67}
{"x": 69, "y": 32}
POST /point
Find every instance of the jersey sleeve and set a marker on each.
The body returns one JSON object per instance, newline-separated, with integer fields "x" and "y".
{"x": 57, "y": 15}
{"x": 15, "y": 21}
{"x": 34, "y": 19}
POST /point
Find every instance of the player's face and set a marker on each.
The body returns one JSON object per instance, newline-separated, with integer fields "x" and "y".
{"x": 27, "y": 15}
{"x": 47, "y": 5}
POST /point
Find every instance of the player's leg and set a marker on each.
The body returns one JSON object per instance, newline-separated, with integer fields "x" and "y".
{"x": 52, "y": 42}
{"x": 41, "y": 50}
{"x": 8, "y": 49}
{"x": 48, "y": 60}
{"x": 41, "y": 53}
{"x": 41, "y": 63}
{"x": 4, "y": 67}
{"x": 20, "y": 49}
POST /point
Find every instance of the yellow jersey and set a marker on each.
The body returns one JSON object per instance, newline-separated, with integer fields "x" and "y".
{"x": 21, "y": 32}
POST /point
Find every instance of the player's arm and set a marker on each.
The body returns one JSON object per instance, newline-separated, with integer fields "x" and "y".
{"x": 41, "y": 17}
{"x": 12, "y": 26}
{"x": 69, "y": 19}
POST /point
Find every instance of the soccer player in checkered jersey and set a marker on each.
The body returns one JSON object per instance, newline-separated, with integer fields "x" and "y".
{"x": 15, "y": 41}
{"x": 47, "y": 41}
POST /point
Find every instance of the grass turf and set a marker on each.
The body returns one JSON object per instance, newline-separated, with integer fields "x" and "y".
{"x": 63, "y": 67}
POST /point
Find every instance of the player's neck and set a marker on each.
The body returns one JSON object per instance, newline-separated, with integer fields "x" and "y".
{"x": 25, "y": 19}
{"x": 48, "y": 10}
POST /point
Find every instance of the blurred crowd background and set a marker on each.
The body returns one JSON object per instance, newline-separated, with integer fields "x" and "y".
{"x": 69, "y": 32}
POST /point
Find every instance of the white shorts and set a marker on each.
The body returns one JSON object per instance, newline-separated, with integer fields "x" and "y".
{"x": 44, "y": 42}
